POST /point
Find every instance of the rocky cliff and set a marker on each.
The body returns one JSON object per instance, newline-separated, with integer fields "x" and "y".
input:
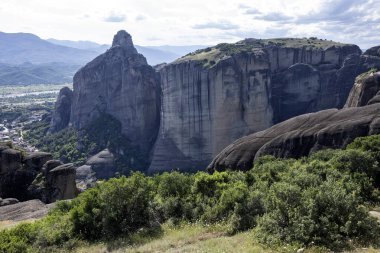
{"x": 216, "y": 95}
{"x": 120, "y": 83}
{"x": 207, "y": 99}
{"x": 34, "y": 175}
{"x": 307, "y": 133}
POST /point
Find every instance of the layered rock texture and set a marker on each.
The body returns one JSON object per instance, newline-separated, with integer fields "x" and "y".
{"x": 216, "y": 95}
{"x": 186, "y": 112}
{"x": 35, "y": 175}
{"x": 120, "y": 83}
{"x": 307, "y": 133}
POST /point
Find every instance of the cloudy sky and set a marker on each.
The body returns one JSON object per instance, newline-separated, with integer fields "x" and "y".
{"x": 189, "y": 22}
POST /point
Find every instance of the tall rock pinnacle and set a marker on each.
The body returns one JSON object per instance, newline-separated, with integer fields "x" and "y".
{"x": 124, "y": 39}
{"x": 120, "y": 83}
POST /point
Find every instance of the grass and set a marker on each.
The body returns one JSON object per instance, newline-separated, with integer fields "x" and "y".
{"x": 195, "y": 238}
{"x": 7, "y": 224}
{"x": 187, "y": 238}
{"x": 183, "y": 238}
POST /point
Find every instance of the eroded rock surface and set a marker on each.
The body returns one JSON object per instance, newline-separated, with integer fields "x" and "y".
{"x": 9, "y": 201}
{"x": 103, "y": 164}
{"x": 365, "y": 90}
{"x": 307, "y": 133}
{"x": 33, "y": 175}
{"x": 32, "y": 209}
{"x": 122, "y": 84}
{"x": 216, "y": 95}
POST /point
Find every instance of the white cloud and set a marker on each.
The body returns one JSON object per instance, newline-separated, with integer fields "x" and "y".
{"x": 115, "y": 17}
{"x": 219, "y": 25}
{"x": 140, "y": 18}
{"x": 194, "y": 21}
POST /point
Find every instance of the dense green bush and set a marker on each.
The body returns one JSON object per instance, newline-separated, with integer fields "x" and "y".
{"x": 17, "y": 240}
{"x": 311, "y": 205}
{"x": 117, "y": 207}
{"x": 172, "y": 200}
{"x": 371, "y": 145}
{"x": 317, "y": 200}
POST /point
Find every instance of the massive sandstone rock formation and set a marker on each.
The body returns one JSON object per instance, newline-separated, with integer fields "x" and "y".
{"x": 216, "y": 95}
{"x": 33, "y": 175}
{"x": 307, "y": 133}
{"x": 204, "y": 101}
{"x": 122, "y": 84}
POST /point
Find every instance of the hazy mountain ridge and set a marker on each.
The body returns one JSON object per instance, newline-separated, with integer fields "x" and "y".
{"x": 27, "y": 73}
{"x": 27, "y": 59}
{"x": 17, "y": 48}
{"x": 154, "y": 54}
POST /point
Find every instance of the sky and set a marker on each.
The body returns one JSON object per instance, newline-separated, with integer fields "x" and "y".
{"x": 194, "y": 22}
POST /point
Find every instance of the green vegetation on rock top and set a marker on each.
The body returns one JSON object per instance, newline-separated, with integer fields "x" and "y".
{"x": 211, "y": 55}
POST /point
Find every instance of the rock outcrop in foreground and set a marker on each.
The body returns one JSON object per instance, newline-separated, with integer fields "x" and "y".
{"x": 307, "y": 133}
{"x": 25, "y": 176}
{"x": 365, "y": 91}
{"x": 120, "y": 83}
{"x": 101, "y": 165}
{"x": 219, "y": 94}
{"x": 31, "y": 209}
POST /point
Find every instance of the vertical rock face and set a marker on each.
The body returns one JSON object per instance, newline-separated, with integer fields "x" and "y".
{"x": 122, "y": 84}
{"x": 61, "y": 183}
{"x": 219, "y": 94}
{"x": 304, "y": 134}
{"x": 197, "y": 105}
{"x": 62, "y": 110}
{"x": 365, "y": 90}
{"x": 10, "y": 160}
{"x": 205, "y": 109}
{"x": 35, "y": 175}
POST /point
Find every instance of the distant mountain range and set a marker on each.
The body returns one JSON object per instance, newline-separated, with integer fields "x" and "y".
{"x": 27, "y": 59}
{"x": 154, "y": 54}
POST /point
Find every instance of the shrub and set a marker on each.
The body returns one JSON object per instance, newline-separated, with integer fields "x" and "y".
{"x": 172, "y": 198}
{"x": 318, "y": 200}
{"x": 117, "y": 207}
{"x": 327, "y": 215}
{"x": 18, "y": 239}
{"x": 371, "y": 145}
